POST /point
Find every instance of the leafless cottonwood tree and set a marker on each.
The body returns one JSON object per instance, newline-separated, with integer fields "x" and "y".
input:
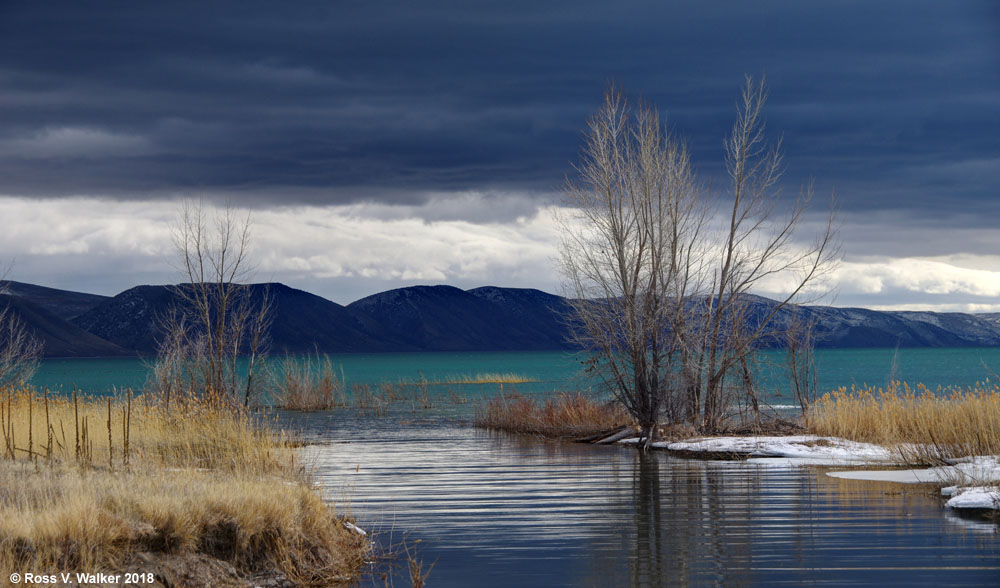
{"x": 219, "y": 321}
{"x": 19, "y": 349}
{"x": 630, "y": 255}
{"x": 800, "y": 358}
{"x": 758, "y": 244}
{"x": 662, "y": 300}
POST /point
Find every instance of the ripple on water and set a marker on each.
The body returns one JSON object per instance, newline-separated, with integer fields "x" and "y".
{"x": 498, "y": 510}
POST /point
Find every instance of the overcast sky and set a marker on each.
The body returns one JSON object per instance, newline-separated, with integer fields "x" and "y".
{"x": 384, "y": 144}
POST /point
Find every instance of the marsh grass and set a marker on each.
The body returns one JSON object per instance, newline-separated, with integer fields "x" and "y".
{"x": 311, "y": 383}
{"x": 87, "y": 483}
{"x": 487, "y": 378}
{"x": 372, "y": 401}
{"x": 924, "y": 426}
{"x": 564, "y": 415}
{"x": 308, "y": 383}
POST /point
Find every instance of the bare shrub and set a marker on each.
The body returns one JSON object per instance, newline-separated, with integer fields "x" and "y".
{"x": 19, "y": 348}
{"x": 565, "y": 415}
{"x": 308, "y": 383}
{"x": 213, "y": 342}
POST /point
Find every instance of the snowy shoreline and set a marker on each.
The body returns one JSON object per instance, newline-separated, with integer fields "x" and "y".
{"x": 971, "y": 483}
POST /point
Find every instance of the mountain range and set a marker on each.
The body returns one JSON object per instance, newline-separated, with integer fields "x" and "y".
{"x": 426, "y": 318}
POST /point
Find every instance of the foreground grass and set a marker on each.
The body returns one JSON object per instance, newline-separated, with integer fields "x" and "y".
{"x": 564, "y": 415}
{"x": 92, "y": 484}
{"x": 925, "y": 426}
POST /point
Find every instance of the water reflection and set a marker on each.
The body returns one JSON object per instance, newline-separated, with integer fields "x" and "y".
{"x": 497, "y": 510}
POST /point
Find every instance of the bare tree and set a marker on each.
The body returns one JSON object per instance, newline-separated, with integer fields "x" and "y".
{"x": 662, "y": 302}
{"x": 758, "y": 243}
{"x": 800, "y": 357}
{"x": 630, "y": 257}
{"x": 19, "y": 349}
{"x": 216, "y": 337}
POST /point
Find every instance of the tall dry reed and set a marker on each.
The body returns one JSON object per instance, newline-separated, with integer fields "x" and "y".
{"x": 925, "y": 425}
{"x": 91, "y": 482}
{"x": 308, "y": 383}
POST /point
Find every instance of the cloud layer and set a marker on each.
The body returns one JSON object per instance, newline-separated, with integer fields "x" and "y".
{"x": 453, "y": 125}
{"x": 345, "y": 252}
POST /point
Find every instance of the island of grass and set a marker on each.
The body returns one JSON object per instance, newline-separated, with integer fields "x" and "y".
{"x": 195, "y": 493}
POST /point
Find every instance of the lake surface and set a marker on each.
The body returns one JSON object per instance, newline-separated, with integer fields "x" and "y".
{"x": 563, "y": 371}
{"x": 499, "y": 510}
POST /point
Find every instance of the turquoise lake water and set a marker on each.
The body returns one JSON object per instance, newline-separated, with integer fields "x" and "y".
{"x": 553, "y": 371}
{"x": 491, "y": 509}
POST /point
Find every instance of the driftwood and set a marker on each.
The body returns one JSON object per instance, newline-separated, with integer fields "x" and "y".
{"x": 622, "y": 434}
{"x": 596, "y": 436}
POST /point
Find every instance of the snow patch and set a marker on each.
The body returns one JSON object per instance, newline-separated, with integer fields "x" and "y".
{"x": 975, "y": 497}
{"x": 804, "y": 449}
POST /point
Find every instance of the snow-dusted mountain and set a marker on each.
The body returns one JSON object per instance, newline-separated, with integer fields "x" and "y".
{"x": 442, "y": 318}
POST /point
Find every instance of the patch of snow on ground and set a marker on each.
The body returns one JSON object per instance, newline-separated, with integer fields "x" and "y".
{"x": 809, "y": 448}
{"x": 969, "y": 474}
{"x": 977, "y": 497}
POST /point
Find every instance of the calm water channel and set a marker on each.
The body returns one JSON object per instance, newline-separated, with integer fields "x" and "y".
{"x": 500, "y": 510}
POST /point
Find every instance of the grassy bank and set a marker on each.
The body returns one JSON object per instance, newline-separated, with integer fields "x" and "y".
{"x": 924, "y": 425}
{"x": 563, "y": 415}
{"x": 94, "y": 484}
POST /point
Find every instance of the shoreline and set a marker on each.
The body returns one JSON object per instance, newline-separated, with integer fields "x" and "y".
{"x": 194, "y": 494}
{"x": 969, "y": 483}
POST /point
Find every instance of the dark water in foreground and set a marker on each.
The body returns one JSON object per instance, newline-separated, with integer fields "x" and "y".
{"x": 499, "y": 510}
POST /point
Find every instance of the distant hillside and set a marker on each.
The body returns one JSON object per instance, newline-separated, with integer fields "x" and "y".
{"x": 62, "y": 303}
{"x": 444, "y": 318}
{"x": 860, "y": 327}
{"x": 130, "y": 319}
{"x": 301, "y": 321}
{"x": 438, "y": 318}
{"x": 59, "y": 337}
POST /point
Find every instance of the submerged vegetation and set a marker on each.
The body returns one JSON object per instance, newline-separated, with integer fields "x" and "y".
{"x": 312, "y": 383}
{"x": 925, "y": 425}
{"x": 94, "y": 483}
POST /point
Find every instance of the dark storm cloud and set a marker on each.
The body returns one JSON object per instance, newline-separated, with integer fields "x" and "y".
{"x": 894, "y": 104}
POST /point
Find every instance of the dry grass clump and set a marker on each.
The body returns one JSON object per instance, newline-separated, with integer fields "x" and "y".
{"x": 488, "y": 378}
{"x": 87, "y": 484}
{"x": 925, "y": 425}
{"x": 132, "y": 432}
{"x": 62, "y": 519}
{"x": 308, "y": 384}
{"x": 565, "y": 415}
